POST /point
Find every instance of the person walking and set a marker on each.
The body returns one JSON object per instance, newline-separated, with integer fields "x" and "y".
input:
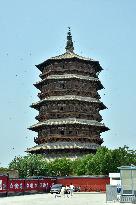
{"x": 63, "y": 189}
{"x": 71, "y": 189}
{"x": 67, "y": 191}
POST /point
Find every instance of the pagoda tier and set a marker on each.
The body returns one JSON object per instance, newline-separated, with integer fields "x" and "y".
{"x": 59, "y": 139}
{"x": 67, "y": 84}
{"x": 66, "y": 149}
{"x": 66, "y": 121}
{"x": 71, "y": 149}
{"x": 85, "y": 66}
{"x": 69, "y": 106}
{"x": 52, "y": 78}
{"x": 69, "y": 129}
{"x": 68, "y": 98}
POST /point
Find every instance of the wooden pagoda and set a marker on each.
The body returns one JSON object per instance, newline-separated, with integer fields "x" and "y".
{"x": 69, "y": 122}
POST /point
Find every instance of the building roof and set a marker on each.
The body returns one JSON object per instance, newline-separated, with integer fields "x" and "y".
{"x": 132, "y": 167}
{"x": 69, "y": 54}
{"x": 66, "y": 56}
{"x": 68, "y": 76}
{"x": 63, "y": 145}
{"x": 65, "y": 121}
{"x": 67, "y": 97}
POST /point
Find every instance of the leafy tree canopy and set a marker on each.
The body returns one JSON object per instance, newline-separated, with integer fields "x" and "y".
{"x": 102, "y": 163}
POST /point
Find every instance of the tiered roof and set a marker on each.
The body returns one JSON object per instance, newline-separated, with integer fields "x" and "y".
{"x": 64, "y": 145}
{"x": 68, "y": 55}
{"x": 65, "y": 121}
{"x": 68, "y": 97}
{"x": 69, "y": 76}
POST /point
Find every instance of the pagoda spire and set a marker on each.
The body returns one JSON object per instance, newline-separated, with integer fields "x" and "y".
{"x": 69, "y": 46}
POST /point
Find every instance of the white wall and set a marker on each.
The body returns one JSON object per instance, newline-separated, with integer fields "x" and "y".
{"x": 114, "y": 178}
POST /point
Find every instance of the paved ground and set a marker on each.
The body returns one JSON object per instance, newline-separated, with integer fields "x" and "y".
{"x": 48, "y": 199}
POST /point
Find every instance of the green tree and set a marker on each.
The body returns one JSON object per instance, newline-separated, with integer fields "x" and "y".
{"x": 3, "y": 169}
{"x": 100, "y": 161}
{"x": 104, "y": 161}
{"x": 60, "y": 167}
{"x": 30, "y": 165}
{"x": 80, "y": 165}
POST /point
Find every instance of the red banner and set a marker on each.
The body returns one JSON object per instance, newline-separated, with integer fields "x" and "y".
{"x": 16, "y": 185}
{"x": 45, "y": 184}
{"x": 31, "y": 185}
{"x": 3, "y": 184}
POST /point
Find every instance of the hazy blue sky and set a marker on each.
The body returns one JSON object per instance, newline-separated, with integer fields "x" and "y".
{"x": 32, "y": 31}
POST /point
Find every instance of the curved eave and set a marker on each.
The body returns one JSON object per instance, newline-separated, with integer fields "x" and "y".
{"x": 52, "y": 60}
{"x": 68, "y": 77}
{"x": 37, "y": 106}
{"x": 69, "y": 121}
{"x": 63, "y": 146}
{"x": 68, "y": 98}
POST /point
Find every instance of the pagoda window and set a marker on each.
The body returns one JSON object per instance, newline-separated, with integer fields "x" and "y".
{"x": 80, "y": 67}
{"x": 82, "y": 108}
{"x": 70, "y": 132}
{"x": 77, "y": 108}
{"x": 76, "y": 85}
{"x": 61, "y": 108}
{"x": 71, "y": 108}
{"x": 86, "y": 109}
{"x": 62, "y": 132}
{"x": 59, "y": 116}
{"x": 51, "y": 131}
{"x": 42, "y": 110}
{"x": 62, "y": 85}
{"x": 51, "y": 115}
{"x": 61, "y": 128}
{"x": 70, "y": 84}
{"x": 92, "y": 117}
{"x": 56, "y": 85}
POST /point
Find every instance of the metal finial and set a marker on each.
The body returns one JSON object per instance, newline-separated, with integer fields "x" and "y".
{"x": 69, "y": 46}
